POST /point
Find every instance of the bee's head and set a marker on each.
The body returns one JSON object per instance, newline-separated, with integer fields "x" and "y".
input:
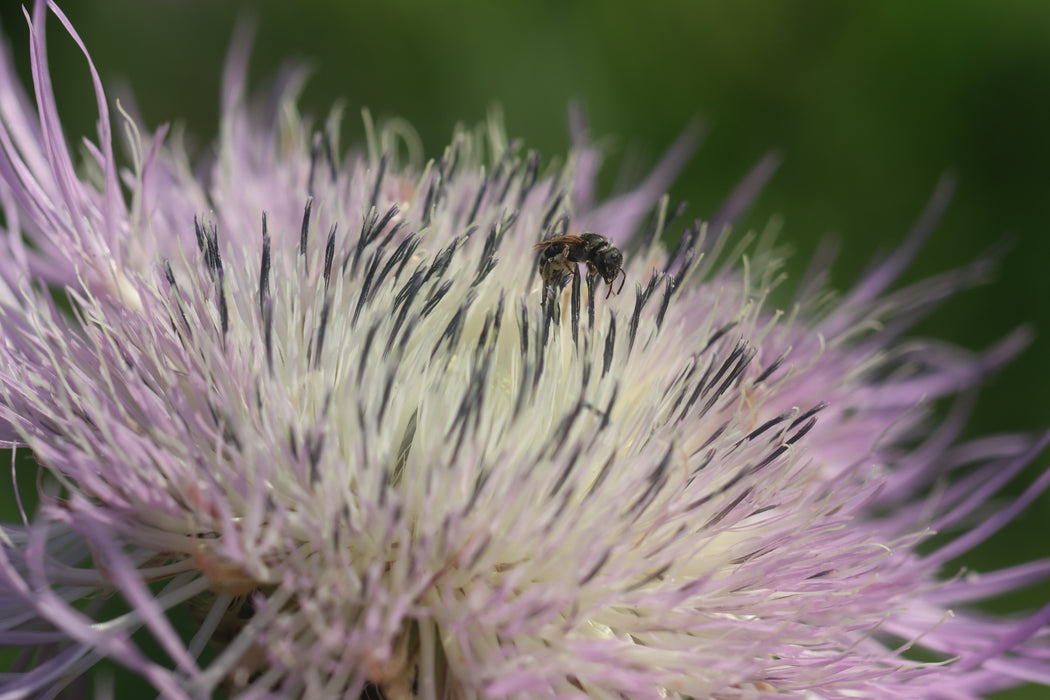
{"x": 609, "y": 264}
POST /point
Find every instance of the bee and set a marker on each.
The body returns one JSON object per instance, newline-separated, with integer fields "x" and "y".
{"x": 559, "y": 255}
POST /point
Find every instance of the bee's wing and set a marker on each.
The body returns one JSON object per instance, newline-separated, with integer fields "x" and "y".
{"x": 569, "y": 239}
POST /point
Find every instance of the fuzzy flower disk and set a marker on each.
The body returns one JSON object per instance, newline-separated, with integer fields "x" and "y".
{"x": 316, "y": 419}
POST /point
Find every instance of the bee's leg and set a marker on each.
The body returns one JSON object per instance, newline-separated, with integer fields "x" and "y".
{"x": 566, "y": 264}
{"x": 549, "y": 272}
{"x": 574, "y": 272}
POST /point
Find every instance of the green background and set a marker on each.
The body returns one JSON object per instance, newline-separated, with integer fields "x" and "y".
{"x": 868, "y": 104}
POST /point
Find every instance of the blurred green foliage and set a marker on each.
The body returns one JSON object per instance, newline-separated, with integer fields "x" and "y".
{"x": 868, "y": 103}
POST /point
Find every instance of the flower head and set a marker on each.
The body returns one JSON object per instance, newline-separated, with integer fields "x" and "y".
{"x": 328, "y": 404}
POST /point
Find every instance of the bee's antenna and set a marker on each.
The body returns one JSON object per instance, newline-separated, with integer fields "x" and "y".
{"x": 619, "y": 272}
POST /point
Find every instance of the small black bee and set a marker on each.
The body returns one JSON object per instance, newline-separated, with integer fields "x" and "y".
{"x": 559, "y": 255}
